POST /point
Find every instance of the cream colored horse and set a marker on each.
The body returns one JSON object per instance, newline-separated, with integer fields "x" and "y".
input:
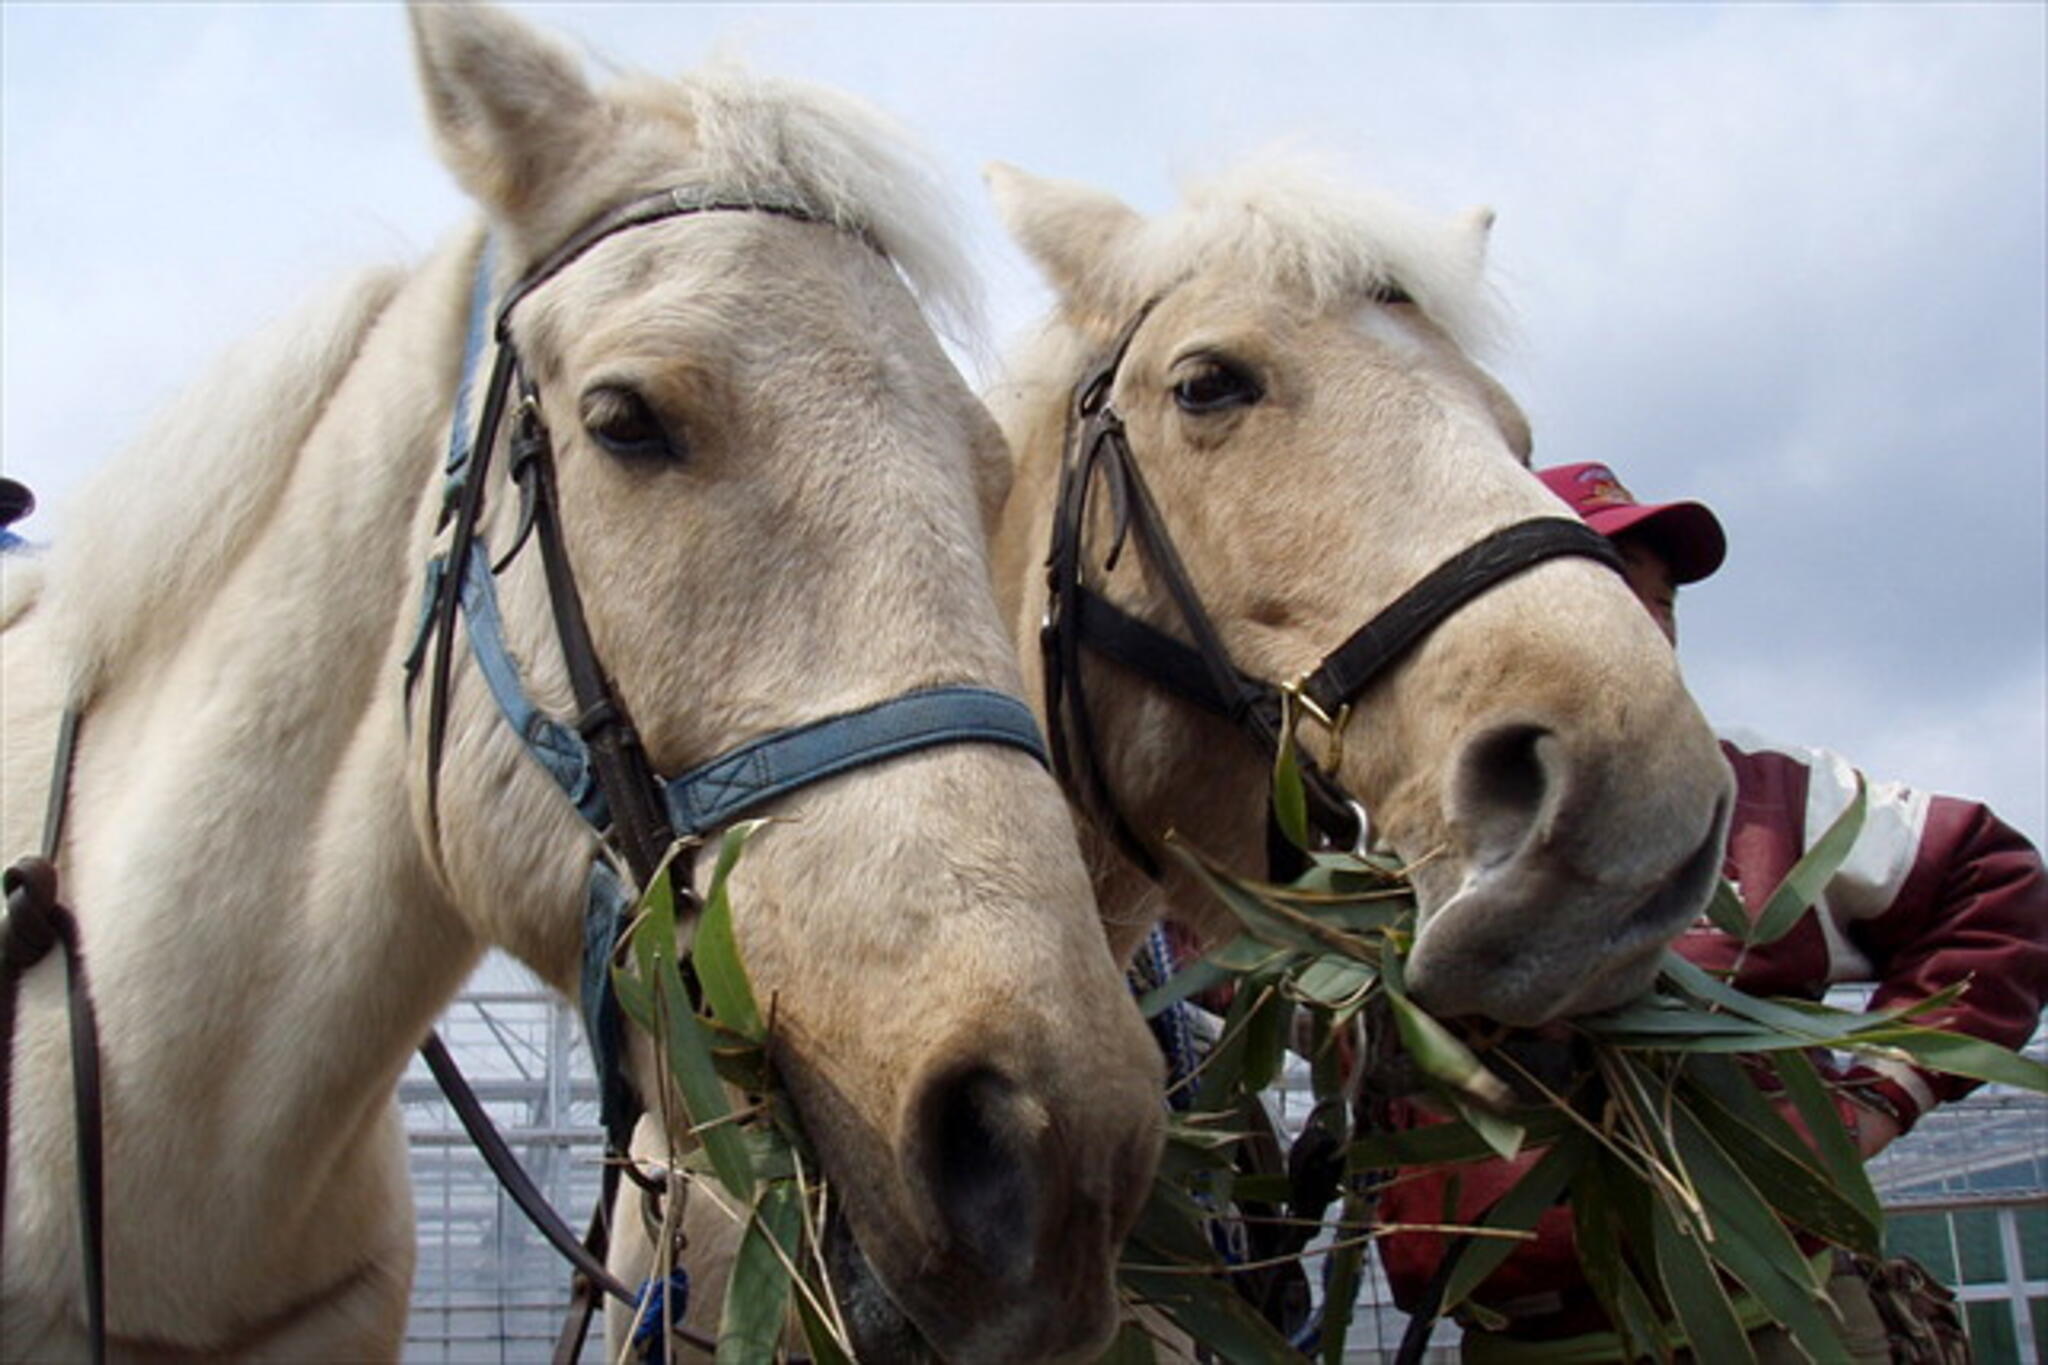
{"x": 773, "y": 489}
{"x": 1300, "y": 400}
{"x": 1318, "y": 442}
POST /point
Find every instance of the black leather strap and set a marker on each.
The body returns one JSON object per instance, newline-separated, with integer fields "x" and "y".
{"x": 37, "y": 921}
{"x": 681, "y": 201}
{"x": 1383, "y": 641}
{"x": 1199, "y": 669}
{"x": 497, "y": 1153}
{"x": 633, "y": 793}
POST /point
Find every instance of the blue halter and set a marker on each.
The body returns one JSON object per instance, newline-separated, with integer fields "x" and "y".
{"x": 710, "y": 795}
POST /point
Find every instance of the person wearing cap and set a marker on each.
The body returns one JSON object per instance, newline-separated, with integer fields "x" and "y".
{"x": 1936, "y": 892}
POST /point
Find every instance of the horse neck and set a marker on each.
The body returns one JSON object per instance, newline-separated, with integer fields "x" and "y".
{"x": 243, "y": 851}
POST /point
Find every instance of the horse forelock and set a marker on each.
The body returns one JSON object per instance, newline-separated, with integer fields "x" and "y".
{"x": 150, "y": 535}
{"x": 848, "y": 162}
{"x": 1284, "y": 225}
{"x": 1287, "y": 223}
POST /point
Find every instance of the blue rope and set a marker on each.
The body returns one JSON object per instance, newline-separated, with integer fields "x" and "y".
{"x": 1172, "y": 1026}
{"x": 661, "y": 1302}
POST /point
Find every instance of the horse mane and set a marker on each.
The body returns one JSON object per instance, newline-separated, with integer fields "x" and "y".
{"x": 1285, "y": 222}
{"x": 149, "y": 536}
{"x": 847, "y": 160}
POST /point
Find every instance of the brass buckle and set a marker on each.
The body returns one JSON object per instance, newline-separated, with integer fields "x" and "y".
{"x": 1295, "y": 704}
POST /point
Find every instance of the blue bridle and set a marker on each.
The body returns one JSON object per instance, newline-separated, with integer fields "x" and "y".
{"x": 715, "y": 793}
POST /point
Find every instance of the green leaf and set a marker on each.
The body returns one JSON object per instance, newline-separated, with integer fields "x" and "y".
{"x": 1260, "y": 1189}
{"x": 1788, "y": 1175}
{"x": 1245, "y": 954}
{"x": 1517, "y": 1211}
{"x": 1810, "y": 876}
{"x": 704, "y": 1097}
{"x": 1435, "y": 1049}
{"x": 636, "y": 999}
{"x": 1799, "y": 1028}
{"x": 1727, "y": 911}
{"x": 1290, "y": 801}
{"x": 1248, "y": 1053}
{"x": 1361, "y": 917}
{"x": 1959, "y": 1056}
{"x": 1266, "y": 1035}
{"x": 1211, "y": 1312}
{"x": 1334, "y": 982}
{"x": 1712, "y": 1330}
{"x": 1503, "y": 1135}
{"x": 1837, "y": 1150}
{"x": 1448, "y": 1144}
{"x": 653, "y": 927}
{"x": 757, "y": 1294}
{"x": 716, "y": 952}
{"x": 1192, "y": 979}
{"x": 1133, "y": 1346}
{"x": 1280, "y": 925}
{"x": 1172, "y": 1227}
{"x": 1638, "y": 1086}
{"x": 1600, "y": 1232}
{"x": 819, "y": 1336}
{"x": 1345, "y": 1274}
{"x": 1753, "y": 1245}
{"x": 684, "y": 1040}
{"x": 1670, "y": 1020}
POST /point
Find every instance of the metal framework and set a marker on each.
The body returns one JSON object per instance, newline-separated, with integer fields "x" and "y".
{"x": 488, "y": 1290}
{"x": 1967, "y": 1193}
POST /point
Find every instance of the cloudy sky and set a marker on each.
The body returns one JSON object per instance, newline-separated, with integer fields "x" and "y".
{"x": 1789, "y": 260}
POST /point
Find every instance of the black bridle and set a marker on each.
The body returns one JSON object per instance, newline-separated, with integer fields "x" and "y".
{"x": 597, "y": 758}
{"x": 1199, "y": 669}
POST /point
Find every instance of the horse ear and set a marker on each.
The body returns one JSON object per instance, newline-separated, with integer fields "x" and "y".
{"x": 508, "y": 106}
{"x": 1071, "y": 230}
{"x": 1476, "y": 226}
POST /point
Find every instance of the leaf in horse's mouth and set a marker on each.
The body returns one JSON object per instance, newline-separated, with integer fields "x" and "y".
{"x": 1680, "y": 1172}
{"x": 1679, "y": 1169}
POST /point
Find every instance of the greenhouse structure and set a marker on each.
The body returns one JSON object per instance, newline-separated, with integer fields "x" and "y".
{"x": 1966, "y": 1193}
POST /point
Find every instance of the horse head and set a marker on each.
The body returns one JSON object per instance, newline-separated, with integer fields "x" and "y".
{"x": 773, "y": 489}
{"x": 1288, "y": 372}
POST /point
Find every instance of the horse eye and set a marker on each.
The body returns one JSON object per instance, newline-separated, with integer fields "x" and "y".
{"x": 619, "y": 420}
{"x": 1215, "y": 386}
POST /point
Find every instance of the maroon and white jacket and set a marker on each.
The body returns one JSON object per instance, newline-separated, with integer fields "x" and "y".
{"x": 1935, "y": 891}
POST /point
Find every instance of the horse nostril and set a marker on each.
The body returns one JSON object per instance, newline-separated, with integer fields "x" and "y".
{"x": 979, "y": 1144}
{"x": 1502, "y": 784}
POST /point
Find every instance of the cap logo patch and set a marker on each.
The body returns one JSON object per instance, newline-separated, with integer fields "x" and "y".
{"x": 1599, "y": 488}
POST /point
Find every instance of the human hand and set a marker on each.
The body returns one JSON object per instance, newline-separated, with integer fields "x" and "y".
{"x": 1873, "y": 1128}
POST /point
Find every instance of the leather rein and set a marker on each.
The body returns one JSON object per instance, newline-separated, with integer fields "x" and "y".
{"x": 1199, "y": 669}
{"x": 37, "y": 921}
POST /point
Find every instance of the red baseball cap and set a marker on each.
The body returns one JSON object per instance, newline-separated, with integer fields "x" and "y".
{"x": 1687, "y": 534}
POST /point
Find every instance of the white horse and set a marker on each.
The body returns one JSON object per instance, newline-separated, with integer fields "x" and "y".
{"x": 773, "y": 490}
{"x": 1295, "y": 392}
